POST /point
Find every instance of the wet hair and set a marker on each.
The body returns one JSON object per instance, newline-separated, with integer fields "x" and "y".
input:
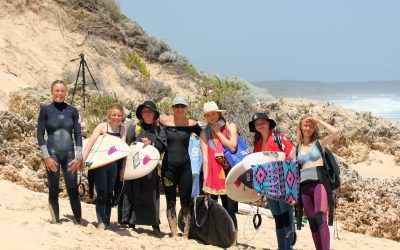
{"x": 300, "y": 136}
{"x": 57, "y": 82}
{"x": 116, "y": 106}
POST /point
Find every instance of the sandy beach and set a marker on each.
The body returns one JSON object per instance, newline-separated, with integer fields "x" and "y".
{"x": 380, "y": 165}
{"x": 24, "y": 223}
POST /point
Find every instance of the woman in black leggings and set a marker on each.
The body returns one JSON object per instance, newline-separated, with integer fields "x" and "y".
{"x": 176, "y": 169}
{"x": 105, "y": 177}
{"x": 61, "y": 122}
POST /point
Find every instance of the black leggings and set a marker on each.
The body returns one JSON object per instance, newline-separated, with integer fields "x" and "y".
{"x": 181, "y": 177}
{"x": 230, "y": 206}
{"x": 104, "y": 180}
{"x": 53, "y": 178}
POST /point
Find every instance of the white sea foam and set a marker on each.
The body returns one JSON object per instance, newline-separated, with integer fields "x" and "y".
{"x": 382, "y": 105}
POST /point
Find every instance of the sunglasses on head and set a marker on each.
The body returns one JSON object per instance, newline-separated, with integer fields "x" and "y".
{"x": 179, "y": 106}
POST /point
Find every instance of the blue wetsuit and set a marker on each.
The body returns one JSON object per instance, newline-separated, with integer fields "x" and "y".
{"x": 61, "y": 121}
{"x": 104, "y": 180}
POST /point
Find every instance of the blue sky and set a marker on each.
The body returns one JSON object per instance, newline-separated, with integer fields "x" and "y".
{"x": 332, "y": 41}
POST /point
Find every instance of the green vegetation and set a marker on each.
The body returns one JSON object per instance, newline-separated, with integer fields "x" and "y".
{"x": 132, "y": 61}
{"x": 190, "y": 70}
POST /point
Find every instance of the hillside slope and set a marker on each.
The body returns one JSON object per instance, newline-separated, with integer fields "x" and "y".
{"x": 38, "y": 38}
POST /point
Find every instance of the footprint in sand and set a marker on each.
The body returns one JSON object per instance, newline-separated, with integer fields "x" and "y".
{"x": 55, "y": 234}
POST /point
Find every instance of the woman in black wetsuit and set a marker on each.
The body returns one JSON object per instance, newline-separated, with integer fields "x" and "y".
{"x": 61, "y": 121}
{"x": 140, "y": 198}
{"x": 105, "y": 177}
{"x": 176, "y": 169}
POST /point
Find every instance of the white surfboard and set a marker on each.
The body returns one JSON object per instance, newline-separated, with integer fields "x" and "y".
{"x": 238, "y": 191}
{"x": 235, "y": 189}
{"x": 262, "y": 157}
{"x": 106, "y": 149}
{"x": 141, "y": 162}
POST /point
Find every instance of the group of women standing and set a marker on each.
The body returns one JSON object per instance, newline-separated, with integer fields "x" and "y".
{"x": 139, "y": 202}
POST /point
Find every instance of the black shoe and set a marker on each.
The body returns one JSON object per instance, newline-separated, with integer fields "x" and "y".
{"x": 157, "y": 231}
{"x": 133, "y": 226}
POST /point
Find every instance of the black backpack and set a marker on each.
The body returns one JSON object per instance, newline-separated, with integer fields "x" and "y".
{"x": 331, "y": 166}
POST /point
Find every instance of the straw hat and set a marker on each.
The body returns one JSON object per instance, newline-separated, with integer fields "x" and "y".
{"x": 211, "y": 107}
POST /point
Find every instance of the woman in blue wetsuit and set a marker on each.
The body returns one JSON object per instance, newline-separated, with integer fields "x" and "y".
{"x": 61, "y": 122}
{"x": 176, "y": 168}
{"x": 105, "y": 177}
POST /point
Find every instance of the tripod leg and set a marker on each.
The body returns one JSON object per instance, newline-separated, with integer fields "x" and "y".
{"x": 83, "y": 82}
{"x": 76, "y": 83}
{"x": 94, "y": 82}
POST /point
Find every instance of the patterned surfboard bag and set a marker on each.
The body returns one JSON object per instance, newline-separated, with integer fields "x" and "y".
{"x": 278, "y": 180}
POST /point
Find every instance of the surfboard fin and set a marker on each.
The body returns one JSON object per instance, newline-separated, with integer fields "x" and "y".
{"x": 247, "y": 179}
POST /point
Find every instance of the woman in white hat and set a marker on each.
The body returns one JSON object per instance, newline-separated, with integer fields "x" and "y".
{"x": 176, "y": 169}
{"x": 218, "y": 133}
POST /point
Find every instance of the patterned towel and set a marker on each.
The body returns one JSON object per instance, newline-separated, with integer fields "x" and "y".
{"x": 277, "y": 180}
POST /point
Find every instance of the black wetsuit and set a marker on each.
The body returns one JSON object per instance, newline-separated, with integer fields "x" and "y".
{"x": 176, "y": 168}
{"x": 61, "y": 121}
{"x": 140, "y": 199}
{"x": 104, "y": 180}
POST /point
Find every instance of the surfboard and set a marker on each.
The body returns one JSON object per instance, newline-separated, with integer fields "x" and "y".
{"x": 277, "y": 180}
{"x": 105, "y": 150}
{"x": 235, "y": 189}
{"x": 142, "y": 161}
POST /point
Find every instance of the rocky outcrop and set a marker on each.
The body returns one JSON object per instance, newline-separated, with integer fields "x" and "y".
{"x": 369, "y": 206}
{"x": 360, "y": 132}
{"x": 20, "y": 158}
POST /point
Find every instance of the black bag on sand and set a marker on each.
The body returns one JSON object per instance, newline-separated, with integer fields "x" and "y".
{"x": 210, "y": 223}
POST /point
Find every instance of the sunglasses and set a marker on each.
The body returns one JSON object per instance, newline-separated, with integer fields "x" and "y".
{"x": 177, "y": 106}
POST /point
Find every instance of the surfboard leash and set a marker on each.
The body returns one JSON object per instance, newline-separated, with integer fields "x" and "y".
{"x": 245, "y": 224}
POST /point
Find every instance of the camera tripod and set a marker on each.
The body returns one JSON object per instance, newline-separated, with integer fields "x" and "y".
{"x": 82, "y": 66}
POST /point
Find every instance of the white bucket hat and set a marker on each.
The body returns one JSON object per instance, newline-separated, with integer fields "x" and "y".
{"x": 211, "y": 107}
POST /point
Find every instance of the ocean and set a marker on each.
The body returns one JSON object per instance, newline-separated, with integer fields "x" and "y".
{"x": 381, "y": 98}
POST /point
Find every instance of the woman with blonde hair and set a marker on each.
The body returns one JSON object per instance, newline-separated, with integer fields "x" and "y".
{"x": 61, "y": 122}
{"x": 315, "y": 190}
{"x": 105, "y": 177}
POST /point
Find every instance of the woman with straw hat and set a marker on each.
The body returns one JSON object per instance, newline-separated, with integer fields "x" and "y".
{"x": 217, "y": 134}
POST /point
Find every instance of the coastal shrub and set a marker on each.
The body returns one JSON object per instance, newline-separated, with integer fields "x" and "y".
{"x": 133, "y": 61}
{"x": 155, "y": 48}
{"x": 154, "y": 90}
{"x": 109, "y": 8}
